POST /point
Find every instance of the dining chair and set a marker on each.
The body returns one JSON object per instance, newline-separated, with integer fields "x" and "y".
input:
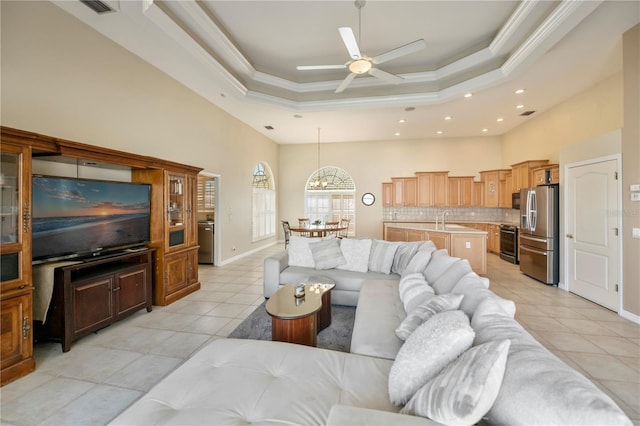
{"x": 287, "y": 232}
{"x": 332, "y": 228}
{"x": 344, "y": 223}
{"x": 304, "y": 222}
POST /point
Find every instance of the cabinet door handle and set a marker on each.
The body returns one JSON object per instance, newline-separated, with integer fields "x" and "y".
{"x": 26, "y": 327}
{"x": 116, "y": 289}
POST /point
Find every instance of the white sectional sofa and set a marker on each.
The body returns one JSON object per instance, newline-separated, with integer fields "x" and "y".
{"x": 464, "y": 358}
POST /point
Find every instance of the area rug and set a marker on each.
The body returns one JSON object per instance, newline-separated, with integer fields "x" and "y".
{"x": 336, "y": 337}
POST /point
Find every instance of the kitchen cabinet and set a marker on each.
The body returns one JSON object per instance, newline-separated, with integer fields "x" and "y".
{"x": 538, "y": 174}
{"x": 432, "y": 189}
{"x": 441, "y": 240}
{"x": 470, "y": 247}
{"x": 522, "y": 174}
{"x": 414, "y": 235}
{"x": 16, "y": 291}
{"x": 395, "y": 234}
{"x": 404, "y": 191}
{"x": 491, "y": 179}
{"x": 505, "y": 190}
{"x": 460, "y": 191}
{"x": 493, "y": 238}
{"x": 387, "y": 194}
{"x": 477, "y": 194}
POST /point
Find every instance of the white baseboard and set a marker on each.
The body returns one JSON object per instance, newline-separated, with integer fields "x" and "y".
{"x": 248, "y": 253}
{"x": 631, "y": 317}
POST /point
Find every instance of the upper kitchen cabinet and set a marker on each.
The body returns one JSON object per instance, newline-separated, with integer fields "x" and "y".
{"x": 539, "y": 173}
{"x": 523, "y": 174}
{"x": 460, "y": 191}
{"x": 404, "y": 191}
{"x": 432, "y": 189}
{"x": 492, "y": 184}
{"x": 387, "y": 194}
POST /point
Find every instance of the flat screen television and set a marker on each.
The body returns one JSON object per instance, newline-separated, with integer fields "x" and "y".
{"x": 83, "y": 218}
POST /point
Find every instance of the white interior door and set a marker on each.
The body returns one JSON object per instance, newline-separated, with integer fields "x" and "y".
{"x": 592, "y": 231}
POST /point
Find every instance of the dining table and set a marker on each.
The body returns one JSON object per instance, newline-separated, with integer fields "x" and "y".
{"x": 316, "y": 231}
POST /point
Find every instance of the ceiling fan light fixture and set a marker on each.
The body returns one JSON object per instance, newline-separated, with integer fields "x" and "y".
{"x": 360, "y": 66}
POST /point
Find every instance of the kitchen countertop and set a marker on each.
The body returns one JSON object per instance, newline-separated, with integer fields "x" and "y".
{"x": 431, "y": 226}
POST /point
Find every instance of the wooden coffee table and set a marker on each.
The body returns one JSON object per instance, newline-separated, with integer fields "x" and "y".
{"x": 298, "y": 320}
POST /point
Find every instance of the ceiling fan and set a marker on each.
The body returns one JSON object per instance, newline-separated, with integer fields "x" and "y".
{"x": 360, "y": 64}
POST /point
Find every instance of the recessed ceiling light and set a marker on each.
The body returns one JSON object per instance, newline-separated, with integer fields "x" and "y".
{"x": 448, "y": 117}
{"x": 500, "y": 120}
{"x": 520, "y": 106}
{"x": 439, "y": 132}
{"x": 402, "y": 120}
{"x": 297, "y": 116}
{"x": 397, "y": 133}
{"x": 520, "y": 91}
{"x": 468, "y": 95}
{"x": 410, "y": 109}
{"x": 485, "y": 130}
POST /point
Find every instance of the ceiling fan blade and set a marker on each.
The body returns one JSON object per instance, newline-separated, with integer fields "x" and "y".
{"x": 350, "y": 42}
{"x": 321, "y": 67}
{"x": 383, "y": 75}
{"x": 407, "y": 49}
{"x": 345, "y": 83}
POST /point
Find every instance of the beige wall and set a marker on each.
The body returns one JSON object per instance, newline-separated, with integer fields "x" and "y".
{"x": 63, "y": 79}
{"x": 595, "y": 111}
{"x": 631, "y": 170}
{"x": 374, "y": 162}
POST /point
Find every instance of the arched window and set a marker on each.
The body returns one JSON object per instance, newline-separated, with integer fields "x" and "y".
{"x": 263, "y": 203}
{"x": 330, "y": 196}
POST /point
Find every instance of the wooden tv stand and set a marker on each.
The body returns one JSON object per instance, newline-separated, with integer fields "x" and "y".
{"x": 93, "y": 294}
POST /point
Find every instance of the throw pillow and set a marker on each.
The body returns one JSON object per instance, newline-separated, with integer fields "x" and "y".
{"x": 439, "y": 263}
{"x": 466, "y": 389}
{"x": 299, "y": 252}
{"x": 327, "y": 254}
{"x": 381, "y": 257}
{"x": 418, "y": 262}
{"x": 356, "y": 252}
{"x": 427, "y": 351}
{"x": 451, "y": 276}
{"x": 414, "y": 290}
{"x": 472, "y": 286}
{"x": 437, "y": 304}
{"x": 403, "y": 255}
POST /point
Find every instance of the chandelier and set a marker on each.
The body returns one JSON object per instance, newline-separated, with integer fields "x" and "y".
{"x": 318, "y": 184}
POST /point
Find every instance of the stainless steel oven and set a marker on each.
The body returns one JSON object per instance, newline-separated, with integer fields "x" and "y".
{"x": 509, "y": 243}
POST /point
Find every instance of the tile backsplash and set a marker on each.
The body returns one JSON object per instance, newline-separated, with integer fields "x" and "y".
{"x": 464, "y": 214}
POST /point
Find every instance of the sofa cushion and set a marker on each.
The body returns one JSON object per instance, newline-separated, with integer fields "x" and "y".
{"x": 381, "y": 257}
{"x": 299, "y": 252}
{"x": 356, "y": 252}
{"x": 232, "y": 381}
{"x": 472, "y": 286}
{"x": 466, "y": 389}
{"x": 403, "y": 255}
{"x": 413, "y": 291}
{"x": 378, "y": 314}
{"x": 427, "y": 309}
{"x": 345, "y": 415}
{"x": 538, "y": 388}
{"x": 449, "y": 278}
{"x": 427, "y": 351}
{"x": 418, "y": 262}
{"x": 440, "y": 261}
{"x": 327, "y": 254}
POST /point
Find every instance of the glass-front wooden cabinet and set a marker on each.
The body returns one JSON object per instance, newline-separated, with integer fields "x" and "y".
{"x": 15, "y": 263}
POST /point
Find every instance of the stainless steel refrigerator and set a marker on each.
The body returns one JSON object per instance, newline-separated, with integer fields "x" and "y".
{"x": 539, "y": 233}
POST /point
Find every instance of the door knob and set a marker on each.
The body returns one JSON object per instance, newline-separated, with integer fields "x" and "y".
{"x": 569, "y": 235}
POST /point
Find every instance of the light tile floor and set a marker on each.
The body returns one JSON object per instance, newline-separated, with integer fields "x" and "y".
{"x": 106, "y": 371}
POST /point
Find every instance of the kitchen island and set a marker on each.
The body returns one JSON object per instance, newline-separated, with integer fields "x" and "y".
{"x": 461, "y": 241}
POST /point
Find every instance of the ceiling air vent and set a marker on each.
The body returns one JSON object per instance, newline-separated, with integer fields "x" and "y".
{"x": 524, "y": 114}
{"x": 97, "y": 6}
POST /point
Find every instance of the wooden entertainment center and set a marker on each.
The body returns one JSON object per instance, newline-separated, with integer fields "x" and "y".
{"x": 95, "y": 293}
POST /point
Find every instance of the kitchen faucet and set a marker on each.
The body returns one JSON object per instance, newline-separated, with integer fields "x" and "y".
{"x": 444, "y": 215}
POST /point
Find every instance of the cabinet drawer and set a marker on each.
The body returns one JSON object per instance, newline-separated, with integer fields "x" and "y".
{"x": 92, "y": 304}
